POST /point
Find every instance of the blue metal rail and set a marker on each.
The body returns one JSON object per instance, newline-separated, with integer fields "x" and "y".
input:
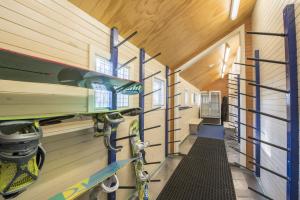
{"x": 141, "y": 95}
{"x": 239, "y": 107}
{"x": 292, "y": 103}
{"x": 257, "y": 115}
{"x": 167, "y": 114}
{"x": 114, "y": 45}
{"x": 292, "y": 120}
{"x": 114, "y": 60}
{"x": 167, "y": 117}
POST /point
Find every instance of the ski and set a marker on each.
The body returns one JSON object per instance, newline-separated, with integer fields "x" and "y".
{"x": 93, "y": 181}
{"x": 137, "y": 150}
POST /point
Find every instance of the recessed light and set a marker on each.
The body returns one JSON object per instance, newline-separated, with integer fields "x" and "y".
{"x": 227, "y": 52}
{"x": 235, "y": 4}
{"x": 223, "y": 66}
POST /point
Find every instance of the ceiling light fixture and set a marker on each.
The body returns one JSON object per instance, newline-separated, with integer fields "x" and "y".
{"x": 227, "y": 52}
{"x": 223, "y": 68}
{"x": 225, "y": 60}
{"x": 235, "y": 4}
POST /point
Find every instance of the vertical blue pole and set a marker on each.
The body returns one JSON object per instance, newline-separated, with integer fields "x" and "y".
{"x": 114, "y": 61}
{"x": 257, "y": 115}
{"x": 167, "y": 114}
{"x": 141, "y": 95}
{"x": 239, "y": 107}
{"x": 292, "y": 192}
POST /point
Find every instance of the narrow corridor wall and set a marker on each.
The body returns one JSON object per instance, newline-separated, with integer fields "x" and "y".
{"x": 59, "y": 31}
{"x": 190, "y": 115}
{"x": 268, "y": 17}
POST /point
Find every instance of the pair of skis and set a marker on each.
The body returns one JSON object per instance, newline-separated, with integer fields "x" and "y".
{"x": 138, "y": 150}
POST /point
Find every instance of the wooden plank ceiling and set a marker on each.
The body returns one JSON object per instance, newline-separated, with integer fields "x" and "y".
{"x": 179, "y": 29}
{"x": 207, "y": 70}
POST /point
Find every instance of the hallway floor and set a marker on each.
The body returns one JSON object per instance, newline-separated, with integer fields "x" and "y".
{"x": 241, "y": 178}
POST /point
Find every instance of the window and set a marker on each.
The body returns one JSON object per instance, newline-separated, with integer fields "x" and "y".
{"x": 158, "y": 97}
{"x": 103, "y": 97}
{"x": 199, "y": 99}
{"x": 123, "y": 99}
{"x": 103, "y": 65}
{"x": 186, "y": 97}
{"x": 194, "y": 98}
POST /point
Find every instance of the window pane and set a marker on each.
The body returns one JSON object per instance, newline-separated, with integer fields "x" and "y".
{"x": 102, "y": 96}
{"x": 158, "y": 97}
{"x": 186, "y": 97}
{"x": 122, "y": 99}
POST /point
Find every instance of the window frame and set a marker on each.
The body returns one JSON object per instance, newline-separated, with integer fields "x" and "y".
{"x": 121, "y": 98}
{"x": 162, "y": 92}
{"x": 124, "y": 95}
{"x": 186, "y": 97}
{"x": 95, "y": 91}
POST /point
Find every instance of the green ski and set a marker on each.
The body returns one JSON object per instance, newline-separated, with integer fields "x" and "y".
{"x": 137, "y": 149}
{"x": 93, "y": 181}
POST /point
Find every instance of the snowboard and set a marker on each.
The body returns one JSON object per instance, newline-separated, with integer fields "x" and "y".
{"x": 21, "y": 67}
{"x": 91, "y": 182}
{"x": 137, "y": 150}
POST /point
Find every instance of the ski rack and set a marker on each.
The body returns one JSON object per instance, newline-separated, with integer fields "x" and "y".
{"x": 292, "y": 120}
{"x": 238, "y": 99}
{"x": 260, "y": 193}
{"x": 169, "y": 139}
{"x": 114, "y": 45}
{"x": 127, "y": 63}
{"x": 142, "y": 95}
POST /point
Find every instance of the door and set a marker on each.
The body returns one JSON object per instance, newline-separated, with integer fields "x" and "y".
{"x": 215, "y": 104}
{"x": 211, "y": 104}
{"x": 205, "y": 104}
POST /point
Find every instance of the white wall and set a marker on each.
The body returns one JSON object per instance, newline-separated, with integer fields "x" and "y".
{"x": 188, "y": 116}
{"x": 59, "y": 31}
{"x": 268, "y": 17}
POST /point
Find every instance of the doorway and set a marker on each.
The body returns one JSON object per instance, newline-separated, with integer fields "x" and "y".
{"x": 211, "y": 107}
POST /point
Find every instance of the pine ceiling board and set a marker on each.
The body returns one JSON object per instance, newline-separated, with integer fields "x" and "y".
{"x": 202, "y": 77}
{"x": 201, "y": 70}
{"x": 202, "y": 65}
{"x": 180, "y": 29}
{"x": 207, "y": 79}
{"x": 218, "y": 81}
{"x": 87, "y": 5}
{"x": 200, "y": 74}
{"x": 77, "y": 2}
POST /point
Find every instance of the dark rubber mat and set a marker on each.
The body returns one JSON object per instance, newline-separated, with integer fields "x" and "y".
{"x": 204, "y": 174}
{"x": 213, "y": 121}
